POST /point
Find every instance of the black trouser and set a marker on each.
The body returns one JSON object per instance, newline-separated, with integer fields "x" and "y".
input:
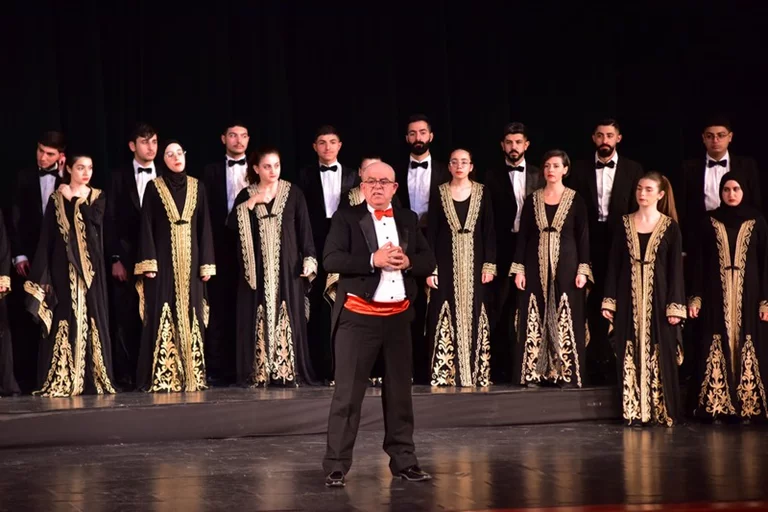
{"x": 503, "y": 334}
{"x": 222, "y": 300}
{"x": 126, "y": 331}
{"x": 319, "y": 328}
{"x": 25, "y": 336}
{"x": 601, "y": 361}
{"x": 358, "y": 340}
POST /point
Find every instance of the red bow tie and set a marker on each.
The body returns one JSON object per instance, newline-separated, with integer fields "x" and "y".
{"x": 382, "y": 213}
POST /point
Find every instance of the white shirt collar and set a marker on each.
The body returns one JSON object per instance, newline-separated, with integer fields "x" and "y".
{"x": 335, "y": 162}
{"x": 428, "y": 159}
{"x": 726, "y": 156}
{"x": 230, "y": 158}
{"x": 614, "y": 158}
{"x": 521, "y": 164}
{"x": 136, "y": 166}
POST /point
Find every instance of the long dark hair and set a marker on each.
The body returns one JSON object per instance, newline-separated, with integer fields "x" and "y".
{"x": 667, "y": 203}
{"x": 255, "y": 159}
{"x": 72, "y": 158}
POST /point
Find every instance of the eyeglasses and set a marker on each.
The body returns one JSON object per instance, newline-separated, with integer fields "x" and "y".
{"x": 719, "y": 136}
{"x": 383, "y": 182}
{"x": 179, "y": 152}
{"x": 459, "y": 163}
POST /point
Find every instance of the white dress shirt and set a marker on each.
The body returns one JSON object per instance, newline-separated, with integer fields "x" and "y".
{"x": 142, "y": 178}
{"x": 331, "y": 181}
{"x": 391, "y": 286}
{"x": 605, "y": 177}
{"x": 517, "y": 178}
{"x": 419, "y": 181}
{"x": 712, "y": 177}
{"x": 237, "y": 180}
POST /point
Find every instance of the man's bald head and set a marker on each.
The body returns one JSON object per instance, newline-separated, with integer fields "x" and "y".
{"x": 379, "y": 185}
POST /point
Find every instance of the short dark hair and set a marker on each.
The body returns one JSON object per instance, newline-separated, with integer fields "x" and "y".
{"x": 514, "y": 128}
{"x": 142, "y": 131}
{"x": 609, "y": 121}
{"x": 415, "y": 118}
{"x": 53, "y": 139}
{"x": 72, "y": 158}
{"x": 717, "y": 121}
{"x": 327, "y": 129}
{"x": 254, "y": 159}
{"x": 552, "y": 153}
{"x": 231, "y": 124}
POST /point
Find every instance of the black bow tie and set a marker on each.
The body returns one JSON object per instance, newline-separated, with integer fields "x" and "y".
{"x": 415, "y": 164}
{"x": 324, "y": 168}
{"x": 140, "y": 170}
{"x": 233, "y": 163}
{"x": 713, "y": 163}
{"x": 515, "y": 168}
{"x": 51, "y": 171}
{"x": 609, "y": 163}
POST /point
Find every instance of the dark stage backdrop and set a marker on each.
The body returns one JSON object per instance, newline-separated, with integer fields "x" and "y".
{"x": 286, "y": 67}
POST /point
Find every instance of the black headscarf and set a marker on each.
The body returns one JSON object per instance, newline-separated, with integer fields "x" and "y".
{"x": 175, "y": 180}
{"x": 734, "y": 216}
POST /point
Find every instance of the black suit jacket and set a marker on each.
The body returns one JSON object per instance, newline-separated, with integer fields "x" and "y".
{"x": 505, "y": 209}
{"x": 310, "y": 183}
{"x": 440, "y": 175}
{"x": 351, "y": 242}
{"x": 124, "y": 216}
{"x": 583, "y": 179}
{"x": 27, "y": 213}
{"x": 690, "y": 199}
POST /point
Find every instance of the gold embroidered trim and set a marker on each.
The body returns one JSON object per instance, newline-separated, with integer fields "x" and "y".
{"x": 310, "y": 264}
{"x": 585, "y": 269}
{"x": 715, "y": 397}
{"x": 549, "y": 241}
{"x": 678, "y": 310}
{"x": 331, "y": 284}
{"x": 356, "y": 196}
{"x": 482, "y": 375}
{"x": 245, "y": 231}
{"x": 260, "y": 372}
{"x": 82, "y": 243}
{"x": 489, "y": 268}
{"x": 283, "y": 361}
{"x": 443, "y": 369}
{"x": 609, "y": 304}
{"x": 751, "y": 391}
{"x": 142, "y": 303}
{"x": 463, "y": 249}
{"x": 80, "y": 312}
{"x": 660, "y": 414}
{"x": 206, "y": 312}
{"x": 167, "y": 370}
{"x": 58, "y": 382}
{"x": 566, "y": 345}
{"x": 100, "y": 375}
{"x": 145, "y": 266}
{"x": 207, "y": 270}
{"x": 516, "y": 268}
{"x": 43, "y": 311}
{"x": 533, "y": 340}
{"x": 630, "y": 392}
{"x": 694, "y": 302}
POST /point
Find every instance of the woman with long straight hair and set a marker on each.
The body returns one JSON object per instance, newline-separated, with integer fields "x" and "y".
{"x": 645, "y": 302}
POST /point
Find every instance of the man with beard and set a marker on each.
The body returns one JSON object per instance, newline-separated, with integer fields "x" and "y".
{"x": 325, "y": 185}
{"x": 124, "y": 202}
{"x": 607, "y": 184}
{"x": 418, "y": 182}
{"x": 509, "y": 187}
{"x": 223, "y": 181}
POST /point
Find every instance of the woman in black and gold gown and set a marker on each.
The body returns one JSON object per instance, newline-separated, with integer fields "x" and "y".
{"x": 277, "y": 266}
{"x": 175, "y": 261}
{"x": 460, "y": 232}
{"x": 8, "y": 384}
{"x": 552, "y": 268}
{"x": 644, "y": 301}
{"x": 730, "y": 293}
{"x": 67, "y": 291}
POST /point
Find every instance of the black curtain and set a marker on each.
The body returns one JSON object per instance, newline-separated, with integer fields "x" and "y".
{"x": 93, "y": 70}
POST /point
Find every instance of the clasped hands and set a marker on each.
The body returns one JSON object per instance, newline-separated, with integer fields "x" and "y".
{"x": 391, "y": 257}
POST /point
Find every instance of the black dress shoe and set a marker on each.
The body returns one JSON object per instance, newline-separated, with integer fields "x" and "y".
{"x": 414, "y": 474}
{"x": 335, "y": 479}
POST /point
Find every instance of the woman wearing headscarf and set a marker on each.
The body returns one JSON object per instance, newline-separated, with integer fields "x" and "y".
{"x": 730, "y": 294}
{"x": 175, "y": 260}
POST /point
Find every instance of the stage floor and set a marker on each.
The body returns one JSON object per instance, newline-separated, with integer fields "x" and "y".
{"x": 236, "y": 412}
{"x": 589, "y": 466}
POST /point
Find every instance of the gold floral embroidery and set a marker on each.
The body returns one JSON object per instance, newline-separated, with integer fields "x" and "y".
{"x": 167, "y": 371}
{"x": 630, "y": 391}
{"x": 443, "y": 369}
{"x": 58, "y": 383}
{"x": 142, "y": 302}
{"x": 197, "y": 381}
{"x": 677, "y": 310}
{"x": 660, "y": 414}
{"x": 206, "y": 313}
{"x": 549, "y": 241}
{"x": 516, "y": 268}
{"x": 207, "y": 270}
{"x": 566, "y": 345}
{"x": 43, "y": 311}
{"x": 145, "y": 266}
{"x": 100, "y": 375}
{"x": 609, "y": 304}
{"x": 283, "y": 360}
{"x": 260, "y": 373}
{"x": 715, "y": 396}
{"x": 694, "y": 302}
{"x": 355, "y": 196}
{"x": 85, "y": 257}
{"x": 482, "y": 375}
{"x": 331, "y": 283}
{"x": 489, "y": 268}
{"x": 244, "y": 229}
{"x": 751, "y": 391}
{"x": 585, "y": 269}
{"x": 532, "y": 343}
{"x": 80, "y": 312}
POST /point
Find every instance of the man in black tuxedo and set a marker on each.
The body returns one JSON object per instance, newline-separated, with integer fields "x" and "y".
{"x": 32, "y": 191}
{"x": 223, "y": 181}
{"x": 126, "y": 194}
{"x": 607, "y": 184}
{"x": 417, "y": 183}
{"x": 509, "y": 187}
{"x": 700, "y": 180}
{"x": 325, "y": 185}
{"x": 379, "y": 253}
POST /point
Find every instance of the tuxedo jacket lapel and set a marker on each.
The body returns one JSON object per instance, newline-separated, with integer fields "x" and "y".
{"x": 129, "y": 182}
{"x": 369, "y": 231}
{"x": 348, "y": 179}
{"x": 402, "y": 233}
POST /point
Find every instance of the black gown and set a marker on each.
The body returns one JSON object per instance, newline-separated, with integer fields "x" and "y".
{"x": 68, "y": 298}
{"x": 274, "y": 246}
{"x": 176, "y": 243}
{"x": 461, "y": 233}
{"x": 552, "y": 249}
{"x": 730, "y": 286}
{"x": 644, "y": 286}
{"x": 8, "y": 384}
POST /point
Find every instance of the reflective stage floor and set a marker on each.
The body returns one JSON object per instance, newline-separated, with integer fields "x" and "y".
{"x": 575, "y": 467}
